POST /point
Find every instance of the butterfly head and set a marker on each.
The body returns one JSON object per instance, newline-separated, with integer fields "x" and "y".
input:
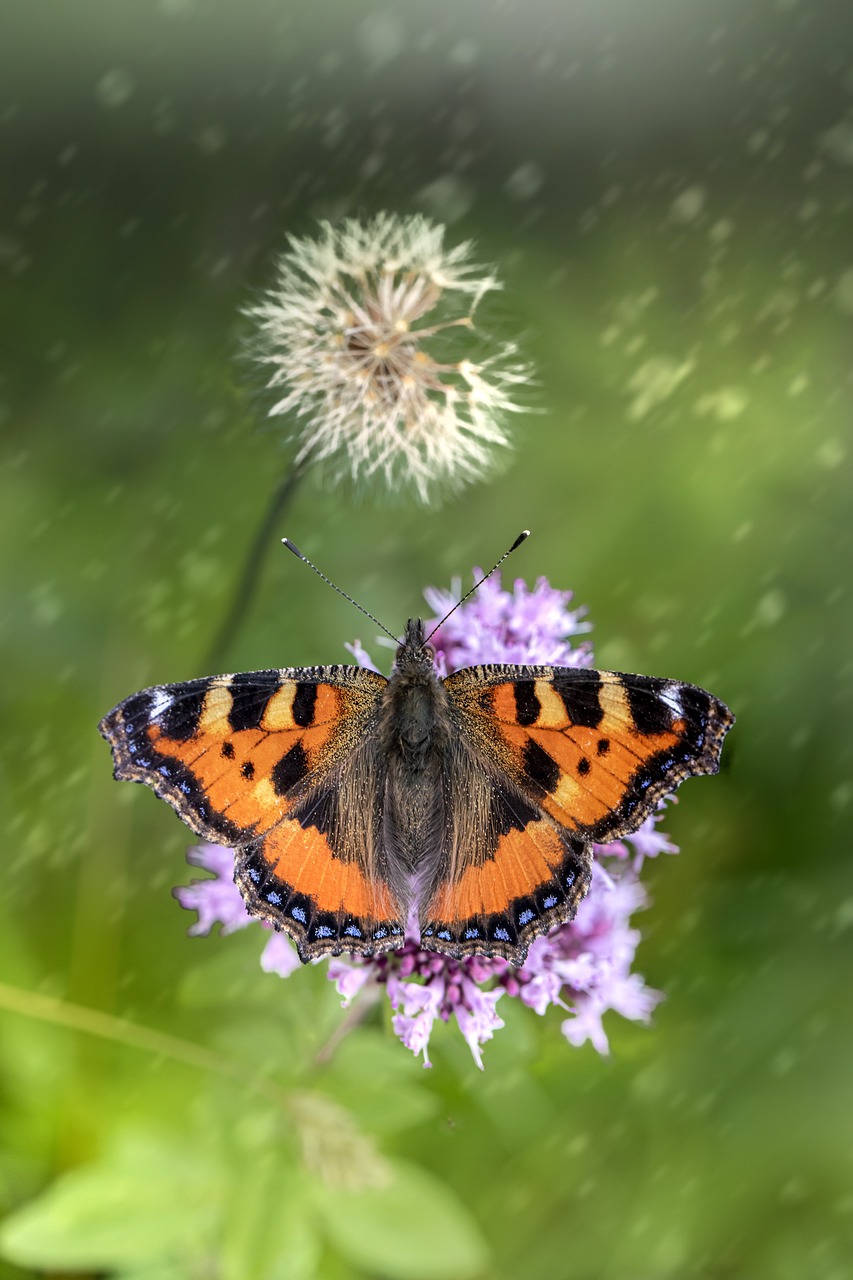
{"x": 414, "y": 653}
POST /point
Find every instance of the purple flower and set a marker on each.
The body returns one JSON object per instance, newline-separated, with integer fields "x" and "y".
{"x": 584, "y": 968}
{"x": 279, "y": 955}
{"x": 423, "y": 986}
{"x": 519, "y": 626}
{"x": 648, "y": 842}
{"x": 217, "y": 901}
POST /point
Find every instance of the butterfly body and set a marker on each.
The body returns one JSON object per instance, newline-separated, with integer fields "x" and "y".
{"x": 461, "y": 810}
{"x": 413, "y": 744}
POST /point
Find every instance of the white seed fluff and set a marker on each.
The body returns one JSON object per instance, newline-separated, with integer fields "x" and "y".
{"x": 369, "y": 333}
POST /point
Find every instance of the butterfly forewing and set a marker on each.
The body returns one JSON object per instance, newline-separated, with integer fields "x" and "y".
{"x": 597, "y": 750}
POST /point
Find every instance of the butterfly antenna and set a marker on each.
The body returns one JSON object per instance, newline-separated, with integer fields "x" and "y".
{"x": 525, "y": 533}
{"x": 292, "y": 547}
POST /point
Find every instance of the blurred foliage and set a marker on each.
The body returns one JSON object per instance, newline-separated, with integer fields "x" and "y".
{"x": 684, "y": 281}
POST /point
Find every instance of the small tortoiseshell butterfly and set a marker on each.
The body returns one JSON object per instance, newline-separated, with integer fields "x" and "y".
{"x": 357, "y": 805}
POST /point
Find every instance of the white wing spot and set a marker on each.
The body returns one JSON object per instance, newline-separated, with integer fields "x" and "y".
{"x": 670, "y": 695}
{"x": 160, "y": 702}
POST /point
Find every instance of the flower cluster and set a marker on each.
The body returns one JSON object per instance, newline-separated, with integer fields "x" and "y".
{"x": 370, "y": 338}
{"x": 583, "y": 968}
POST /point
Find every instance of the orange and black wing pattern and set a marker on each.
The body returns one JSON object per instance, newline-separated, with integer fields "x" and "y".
{"x": 509, "y": 874}
{"x": 281, "y": 766}
{"x": 570, "y": 757}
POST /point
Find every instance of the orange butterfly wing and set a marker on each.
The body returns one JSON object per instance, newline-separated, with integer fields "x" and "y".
{"x": 287, "y": 767}
{"x": 271, "y": 763}
{"x": 554, "y": 760}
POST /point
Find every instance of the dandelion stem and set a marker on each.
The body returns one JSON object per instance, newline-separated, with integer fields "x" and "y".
{"x": 247, "y": 583}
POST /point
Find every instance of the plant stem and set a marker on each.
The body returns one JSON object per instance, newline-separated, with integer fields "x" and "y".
{"x": 247, "y": 583}
{"x": 94, "y": 1022}
{"x": 366, "y": 1000}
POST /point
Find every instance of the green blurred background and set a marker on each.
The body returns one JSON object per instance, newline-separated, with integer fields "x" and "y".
{"x": 666, "y": 189}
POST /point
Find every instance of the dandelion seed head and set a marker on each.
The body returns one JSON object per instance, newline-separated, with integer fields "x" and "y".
{"x": 370, "y": 336}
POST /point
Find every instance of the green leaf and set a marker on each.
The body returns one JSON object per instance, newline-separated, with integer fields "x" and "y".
{"x": 270, "y": 1228}
{"x": 415, "y": 1228}
{"x": 144, "y": 1203}
{"x": 382, "y": 1086}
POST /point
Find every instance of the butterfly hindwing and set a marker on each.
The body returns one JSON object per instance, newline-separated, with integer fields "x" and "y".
{"x": 509, "y": 872}
{"x": 264, "y": 762}
{"x": 322, "y": 873}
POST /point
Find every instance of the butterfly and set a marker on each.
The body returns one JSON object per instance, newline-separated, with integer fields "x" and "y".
{"x": 464, "y": 809}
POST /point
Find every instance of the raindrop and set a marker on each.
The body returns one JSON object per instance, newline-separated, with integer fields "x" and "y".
{"x": 464, "y": 54}
{"x": 688, "y": 206}
{"x": 525, "y": 181}
{"x": 831, "y": 454}
{"x": 725, "y": 405}
{"x": 837, "y": 142}
{"x": 448, "y": 198}
{"x": 841, "y": 796}
{"x": 211, "y": 140}
{"x": 654, "y": 382}
{"x": 721, "y": 231}
{"x": 381, "y": 38}
{"x": 771, "y": 608}
{"x": 115, "y": 87}
{"x": 10, "y": 248}
{"x": 843, "y": 292}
